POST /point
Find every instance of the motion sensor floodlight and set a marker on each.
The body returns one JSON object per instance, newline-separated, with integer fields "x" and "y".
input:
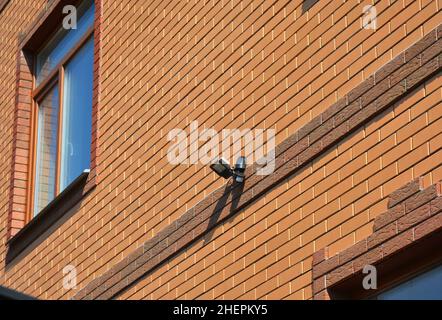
{"x": 222, "y": 168}
{"x": 240, "y": 169}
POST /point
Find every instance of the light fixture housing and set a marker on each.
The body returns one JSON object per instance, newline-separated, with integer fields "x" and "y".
{"x": 240, "y": 169}
{"x": 222, "y": 168}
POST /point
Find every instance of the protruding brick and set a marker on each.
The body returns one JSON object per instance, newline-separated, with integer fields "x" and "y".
{"x": 428, "y": 226}
{"x": 389, "y": 216}
{"x": 325, "y": 266}
{"x": 420, "y": 198}
{"x": 414, "y": 217}
{"x": 340, "y": 274}
{"x": 320, "y": 255}
{"x": 405, "y": 192}
{"x": 397, "y": 243}
{"x": 352, "y": 252}
{"x": 382, "y": 235}
{"x": 319, "y": 284}
{"x": 323, "y": 295}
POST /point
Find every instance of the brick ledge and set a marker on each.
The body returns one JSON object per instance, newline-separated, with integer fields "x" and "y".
{"x": 416, "y": 214}
{"x": 389, "y": 84}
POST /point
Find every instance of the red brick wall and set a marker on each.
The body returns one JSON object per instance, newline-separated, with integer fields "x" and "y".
{"x": 413, "y": 215}
{"x": 16, "y": 82}
{"x": 249, "y": 64}
{"x": 21, "y": 135}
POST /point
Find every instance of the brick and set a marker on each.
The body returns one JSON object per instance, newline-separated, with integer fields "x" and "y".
{"x": 389, "y": 68}
{"x": 320, "y": 256}
{"x": 335, "y": 135}
{"x": 372, "y": 94}
{"x": 413, "y": 217}
{"x": 389, "y": 216}
{"x": 361, "y": 89}
{"x": 425, "y": 42}
{"x": 296, "y": 149}
{"x": 157, "y": 71}
{"x": 425, "y": 70}
{"x": 340, "y": 274}
{"x": 428, "y": 226}
{"x": 404, "y": 192}
{"x": 382, "y": 235}
{"x": 310, "y": 152}
{"x": 309, "y": 127}
{"x": 325, "y": 266}
{"x": 420, "y": 198}
{"x": 352, "y": 252}
{"x": 322, "y": 130}
{"x": 323, "y": 295}
{"x": 397, "y": 243}
{"x": 333, "y": 109}
{"x": 347, "y": 112}
{"x": 431, "y": 52}
{"x": 369, "y": 258}
{"x": 405, "y": 70}
{"x": 366, "y": 112}
{"x": 436, "y": 205}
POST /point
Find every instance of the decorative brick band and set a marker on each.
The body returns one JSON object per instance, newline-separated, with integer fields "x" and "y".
{"x": 389, "y": 84}
{"x": 416, "y": 214}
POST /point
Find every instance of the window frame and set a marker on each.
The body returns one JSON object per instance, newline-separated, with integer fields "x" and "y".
{"x": 24, "y": 230}
{"x": 405, "y": 279}
{"x": 38, "y": 93}
{"x": 406, "y": 263}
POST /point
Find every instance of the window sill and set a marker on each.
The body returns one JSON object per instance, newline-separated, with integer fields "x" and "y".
{"x": 9, "y": 294}
{"x": 52, "y": 213}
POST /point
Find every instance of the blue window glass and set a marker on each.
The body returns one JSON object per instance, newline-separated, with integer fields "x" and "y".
{"x": 64, "y": 108}
{"x": 63, "y": 41}
{"x": 427, "y": 286}
{"x": 77, "y": 115}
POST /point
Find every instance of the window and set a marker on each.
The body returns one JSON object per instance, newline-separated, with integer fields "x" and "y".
{"x": 63, "y": 108}
{"x": 427, "y": 286}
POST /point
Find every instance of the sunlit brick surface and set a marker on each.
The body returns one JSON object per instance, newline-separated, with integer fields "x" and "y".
{"x": 228, "y": 64}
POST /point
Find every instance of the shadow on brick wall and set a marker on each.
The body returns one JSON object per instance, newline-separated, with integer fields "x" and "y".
{"x": 307, "y": 4}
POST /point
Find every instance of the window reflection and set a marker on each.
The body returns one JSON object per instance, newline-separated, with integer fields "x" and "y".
{"x": 47, "y": 128}
{"x": 64, "y": 130}
{"x": 63, "y": 41}
{"x": 77, "y": 115}
{"x": 427, "y": 286}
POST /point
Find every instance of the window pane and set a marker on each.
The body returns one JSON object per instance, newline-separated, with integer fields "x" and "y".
{"x": 46, "y": 150}
{"x": 427, "y": 286}
{"x": 63, "y": 41}
{"x": 77, "y": 115}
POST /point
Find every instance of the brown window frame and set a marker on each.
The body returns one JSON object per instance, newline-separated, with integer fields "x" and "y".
{"x": 55, "y": 77}
{"x": 24, "y": 228}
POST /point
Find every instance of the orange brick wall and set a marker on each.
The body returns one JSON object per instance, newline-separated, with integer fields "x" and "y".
{"x": 229, "y": 64}
{"x": 15, "y": 17}
{"x": 266, "y": 251}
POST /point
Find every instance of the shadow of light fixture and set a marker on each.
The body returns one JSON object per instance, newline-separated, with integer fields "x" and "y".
{"x": 307, "y": 4}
